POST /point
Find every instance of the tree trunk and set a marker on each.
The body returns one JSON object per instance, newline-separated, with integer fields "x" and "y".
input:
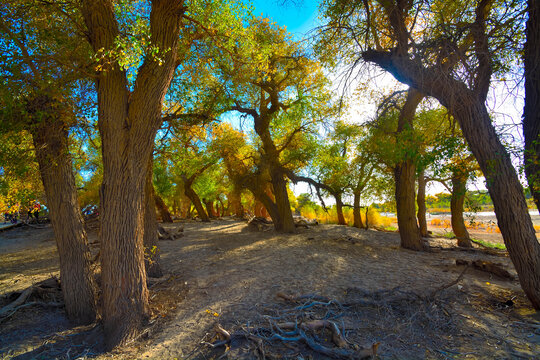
{"x": 128, "y": 121}
{"x": 235, "y": 202}
{"x": 192, "y": 195}
{"x": 162, "y": 208}
{"x": 151, "y": 249}
{"x": 357, "y": 212}
{"x": 459, "y": 188}
{"x": 421, "y": 202}
{"x": 282, "y": 203}
{"x": 209, "y": 204}
{"x": 531, "y": 111}
{"x": 405, "y": 176}
{"x": 339, "y": 210}
{"x": 78, "y": 286}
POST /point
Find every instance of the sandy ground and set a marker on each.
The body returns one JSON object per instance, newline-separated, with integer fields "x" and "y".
{"x": 223, "y": 268}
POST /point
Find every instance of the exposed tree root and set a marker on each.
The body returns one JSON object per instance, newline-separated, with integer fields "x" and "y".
{"x": 45, "y": 290}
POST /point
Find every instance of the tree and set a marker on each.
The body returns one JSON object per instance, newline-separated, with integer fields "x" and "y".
{"x": 128, "y": 122}
{"x": 274, "y": 86}
{"x": 452, "y": 56}
{"x": 531, "y": 112}
{"x": 39, "y": 99}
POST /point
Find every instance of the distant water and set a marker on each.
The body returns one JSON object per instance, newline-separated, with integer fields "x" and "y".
{"x": 532, "y": 212}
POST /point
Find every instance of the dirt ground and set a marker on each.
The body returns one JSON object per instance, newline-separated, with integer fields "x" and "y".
{"x": 223, "y": 272}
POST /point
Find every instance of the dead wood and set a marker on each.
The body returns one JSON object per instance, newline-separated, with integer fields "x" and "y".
{"x": 493, "y": 268}
{"x": 171, "y": 235}
{"x": 46, "y": 289}
{"x": 487, "y": 266}
{"x": 444, "y": 287}
{"x": 258, "y": 223}
{"x": 300, "y": 221}
{"x": 315, "y": 325}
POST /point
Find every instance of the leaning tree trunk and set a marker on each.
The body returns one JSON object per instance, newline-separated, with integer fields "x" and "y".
{"x": 531, "y": 111}
{"x": 421, "y": 202}
{"x": 128, "y": 121}
{"x": 405, "y": 176}
{"x": 52, "y": 153}
{"x": 459, "y": 189}
{"x": 151, "y": 249}
{"x": 357, "y": 212}
{"x": 162, "y": 208}
{"x": 192, "y": 195}
{"x": 506, "y": 192}
{"x": 339, "y": 210}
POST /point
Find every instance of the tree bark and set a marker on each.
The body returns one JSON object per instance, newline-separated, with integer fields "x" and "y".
{"x": 339, "y": 210}
{"x": 405, "y": 176}
{"x": 531, "y": 111}
{"x": 128, "y": 122}
{"x": 279, "y": 185}
{"x": 235, "y": 202}
{"x": 357, "y": 211}
{"x": 192, "y": 195}
{"x": 50, "y": 138}
{"x": 459, "y": 188}
{"x": 162, "y": 208}
{"x": 209, "y": 204}
{"x": 421, "y": 202}
{"x": 468, "y": 107}
{"x": 150, "y": 240}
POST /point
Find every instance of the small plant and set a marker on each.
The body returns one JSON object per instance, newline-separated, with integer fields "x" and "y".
{"x": 449, "y": 235}
{"x": 489, "y": 244}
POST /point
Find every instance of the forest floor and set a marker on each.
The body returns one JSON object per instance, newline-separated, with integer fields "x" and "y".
{"x": 221, "y": 272}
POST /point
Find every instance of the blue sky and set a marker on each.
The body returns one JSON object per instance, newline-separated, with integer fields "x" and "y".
{"x": 298, "y": 15}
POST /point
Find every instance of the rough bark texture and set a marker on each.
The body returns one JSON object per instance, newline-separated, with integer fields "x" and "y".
{"x": 151, "y": 248}
{"x": 531, "y": 111}
{"x": 52, "y": 153}
{"x": 339, "y": 210}
{"x": 128, "y": 122}
{"x": 192, "y": 195}
{"x": 421, "y": 202}
{"x": 405, "y": 178}
{"x": 162, "y": 208}
{"x": 357, "y": 212}
{"x": 459, "y": 182}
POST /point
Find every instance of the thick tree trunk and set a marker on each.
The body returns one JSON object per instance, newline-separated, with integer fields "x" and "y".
{"x": 339, "y": 210}
{"x": 78, "y": 285}
{"x": 128, "y": 123}
{"x": 531, "y": 111}
{"x": 459, "y": 189}
{"x": 235, "y": 203}
{"x": 421, "y": 202}
{"x": 282, "y": 203}
{"x": 151, "y": 248}
{"x": 405, "y": 176}
{"x": 162, "y": 208}
{"x": 269, "y": 206}
{"x": 357, "y": 212}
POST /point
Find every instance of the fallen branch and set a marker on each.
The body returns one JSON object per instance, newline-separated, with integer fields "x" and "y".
{"x": 444, "y": 287}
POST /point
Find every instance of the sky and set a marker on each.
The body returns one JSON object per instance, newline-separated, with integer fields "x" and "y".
{"x": 299, "y": 16}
